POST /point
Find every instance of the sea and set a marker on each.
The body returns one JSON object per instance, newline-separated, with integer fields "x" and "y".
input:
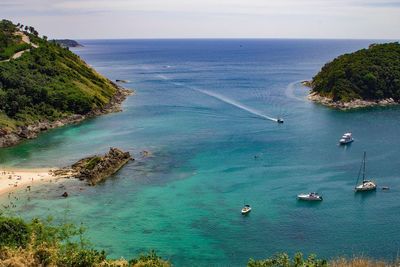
{"x": 202, "y": 129}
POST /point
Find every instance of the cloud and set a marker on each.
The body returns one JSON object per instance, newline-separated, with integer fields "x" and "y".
{"x": 199, "y": 6}
{"x": 210, "y": 18}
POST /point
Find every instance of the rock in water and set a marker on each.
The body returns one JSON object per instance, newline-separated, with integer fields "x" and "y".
{"x": 65, "y": 194}
{"x": 98, "y": 168}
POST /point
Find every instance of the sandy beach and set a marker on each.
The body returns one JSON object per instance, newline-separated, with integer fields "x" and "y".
{"x": 11, "y": 179}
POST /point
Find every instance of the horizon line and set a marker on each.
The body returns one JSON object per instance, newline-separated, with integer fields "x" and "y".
{"x": 226, "y": 38}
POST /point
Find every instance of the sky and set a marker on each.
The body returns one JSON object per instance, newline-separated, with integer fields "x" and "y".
{"x": 107, "y": 19}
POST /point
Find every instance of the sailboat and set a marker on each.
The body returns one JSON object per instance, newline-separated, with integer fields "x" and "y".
{"x": 366, "y": 185}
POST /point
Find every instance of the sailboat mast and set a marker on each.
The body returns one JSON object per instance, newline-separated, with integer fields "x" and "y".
{"x": 364, "y": 167}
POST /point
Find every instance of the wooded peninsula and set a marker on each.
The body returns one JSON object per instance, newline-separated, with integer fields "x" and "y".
{"x": 363, "y": 78}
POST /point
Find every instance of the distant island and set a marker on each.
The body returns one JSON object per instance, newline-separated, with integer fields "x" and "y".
{"x": 68, "y": 43}
{"x": 44, "y": 86}
{"x": 364, "y": 78}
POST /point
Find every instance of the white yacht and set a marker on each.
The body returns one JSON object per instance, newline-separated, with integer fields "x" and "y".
{"x": 310, "y": 196}
{"x": 246, "y": 209}
{"x": 366, "y": 185}
{"x": 346, "y": 138}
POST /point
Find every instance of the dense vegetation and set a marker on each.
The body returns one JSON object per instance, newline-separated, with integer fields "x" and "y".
{"x": 369, "y": 74}
{"x": 46, "y": 83}
{"x": 42, "y": 244}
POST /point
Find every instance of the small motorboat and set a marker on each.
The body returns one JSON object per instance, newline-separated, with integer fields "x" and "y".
{"x": 385, "y": 188}
{"x": 310, "y": 196}
{"x": 246, "y": 209}
{"x": 346, "y": 139}
{"x": 279, "y": 120}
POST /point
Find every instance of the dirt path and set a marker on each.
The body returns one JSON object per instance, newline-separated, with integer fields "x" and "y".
{"x": 25, "y": 39}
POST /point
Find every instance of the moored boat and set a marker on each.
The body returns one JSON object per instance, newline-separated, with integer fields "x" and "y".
{"x": 310, "y": 196}
{"x": 246, "y": 209}
{"x": 366, "y": 185}
{"x": 346, "y": 139}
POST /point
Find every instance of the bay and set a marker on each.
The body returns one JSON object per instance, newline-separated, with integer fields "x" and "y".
{"x": 201, "y": 108}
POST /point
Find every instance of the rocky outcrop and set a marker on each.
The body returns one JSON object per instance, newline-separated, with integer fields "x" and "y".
{"x": 98, "y": 168}
{"x": 355, "y": 103}
{"x": 8, "y": 138}
{"x": 307, "y": 83}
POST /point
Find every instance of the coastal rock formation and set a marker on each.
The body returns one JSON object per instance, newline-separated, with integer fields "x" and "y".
{"x": 97, "y": 168}
{"x": 307, "y": 83}
{"x": 355, "y": 103}
{"x": 8, "y": 138}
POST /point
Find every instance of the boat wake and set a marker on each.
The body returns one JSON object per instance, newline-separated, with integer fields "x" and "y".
{"x": 289, "y": 92}
{"x": 234, "y": 103}
{"x": 223, "y": 99}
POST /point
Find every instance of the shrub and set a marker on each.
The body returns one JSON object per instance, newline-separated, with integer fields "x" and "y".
{"x": 92, "y": 163}
{"x": 14, "y": 232}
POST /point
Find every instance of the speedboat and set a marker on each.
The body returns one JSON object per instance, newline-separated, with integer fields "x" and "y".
{"x": 279, "y": 120}
{"x": 246, "y": 209}
{"x": 366, "y": 185}
{"x": 310, "y": 196}
{"x": 346, "y": 139}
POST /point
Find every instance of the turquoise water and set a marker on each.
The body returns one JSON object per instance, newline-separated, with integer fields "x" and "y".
{"x": 201, "y": 108}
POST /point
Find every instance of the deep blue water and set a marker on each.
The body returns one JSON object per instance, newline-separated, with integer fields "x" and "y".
{"x": 200, "y": 108}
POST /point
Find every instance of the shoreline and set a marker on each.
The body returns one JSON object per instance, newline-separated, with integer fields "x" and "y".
{"x": 353, "y": 104}
{"x": 13, "y": 179}
{"x": 31, "y": 131}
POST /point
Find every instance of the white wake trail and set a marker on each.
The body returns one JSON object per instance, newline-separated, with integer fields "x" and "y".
{"x": 234, "y": 103}
{"x": 290, "y": 91}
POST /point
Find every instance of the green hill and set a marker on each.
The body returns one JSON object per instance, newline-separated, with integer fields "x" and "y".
{"x": 46, "y": 82}
{"x": 368, "y": 74}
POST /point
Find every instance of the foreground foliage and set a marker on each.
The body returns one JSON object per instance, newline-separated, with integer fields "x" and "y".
{"x": 369, "y": 74}
{"x": 46, "y": 82}
{"x": 42, "y": 244}
{"x": 283, "y": 260}
{"x": 361, "y": 262}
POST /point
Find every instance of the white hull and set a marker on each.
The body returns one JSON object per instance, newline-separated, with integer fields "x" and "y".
{"x": 364, "y": 187}
{"x": 309, "y": 197}
{"x": 246, "y": 210}
{"x": 346, "y": 139}
{"x": 343, "y": 142}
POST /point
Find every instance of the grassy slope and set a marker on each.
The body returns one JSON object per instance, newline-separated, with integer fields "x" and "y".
{"x": 47, "y": 83}
{"x": 368, "y": 74}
